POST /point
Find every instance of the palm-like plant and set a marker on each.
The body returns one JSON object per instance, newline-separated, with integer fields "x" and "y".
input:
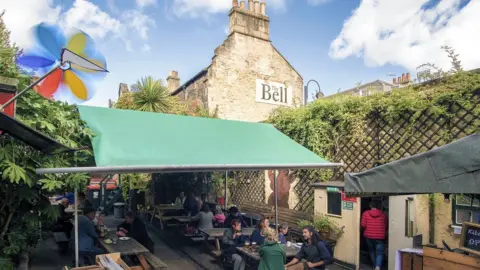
{"x": 151, "y": 96}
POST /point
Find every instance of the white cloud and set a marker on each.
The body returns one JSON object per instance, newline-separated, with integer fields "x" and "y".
{"x": 91, "y": 19}
{"x": 83, "y": 15}
{"x": 144, "y": 3}
{"x": 407, "y": 34}
{"x": 139, "y": 22}
{"x": 146, "y": 47}
{"x": 21, "y": 15}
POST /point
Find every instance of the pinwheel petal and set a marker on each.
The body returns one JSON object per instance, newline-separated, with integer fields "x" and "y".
{"x": 50, "y": 85}
{"x": 33, "y": 61}
{"x": 51, "y": 38}
{"x": 76, "y": 85}
{"x": 78, "y": 43}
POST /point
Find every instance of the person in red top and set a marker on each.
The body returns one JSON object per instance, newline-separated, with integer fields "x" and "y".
{"x": 374, "y": 222}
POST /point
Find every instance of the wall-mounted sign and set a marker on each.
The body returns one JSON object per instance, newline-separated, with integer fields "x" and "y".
{"x": 347, "y": 205}
{"x": 348, "y": 199}
{"x": 332, "y": 189}
{"x": 273, "y": 93}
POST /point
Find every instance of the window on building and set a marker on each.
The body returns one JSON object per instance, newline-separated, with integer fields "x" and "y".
{"x": 410, "y": 229}
{"x": 463, "y": 210}
{"x": 334, "y": 203}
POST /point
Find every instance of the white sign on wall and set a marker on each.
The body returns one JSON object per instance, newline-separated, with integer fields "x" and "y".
{"x": 273, "y": 93}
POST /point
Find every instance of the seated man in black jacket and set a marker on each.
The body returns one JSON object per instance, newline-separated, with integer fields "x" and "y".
{"x": 133, "y": 227}
{"x": 63, "y": 223}
{"x": 233, "y": 238}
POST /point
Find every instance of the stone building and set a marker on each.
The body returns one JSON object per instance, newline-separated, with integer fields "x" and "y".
{"x": 377, "y": 86}
{"x": 248, "y": 77}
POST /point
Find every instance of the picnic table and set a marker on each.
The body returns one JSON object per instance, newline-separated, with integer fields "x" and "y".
{"x": 124, "y": 247}
{"x": 161, "y": 209}
{"x": 132, "y": 247}
{"x": 217, "y": 233}
{"x": 255, "y": 255}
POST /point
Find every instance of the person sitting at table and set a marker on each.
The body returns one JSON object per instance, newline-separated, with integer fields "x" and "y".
{"x": 190, "y": 205}
{"x": 272, "y": 255}
{"x": 87, "y": 234}
{"x": 283, "y": 230}
{"x": 257, "y": 236}
{"x": 63, "y": 223}
{"x": 234, "y": 214}
{"x": 233, "y": 238}
{"x": 68, "y": 195}
{"x": 314, "y": 253}
{"x": 83, "y": 202}
{"x": 133, "y": 227}
{"x": 180, "y": 199}
{"x": 204, "y": 218}
{"x": 219, "y": 218}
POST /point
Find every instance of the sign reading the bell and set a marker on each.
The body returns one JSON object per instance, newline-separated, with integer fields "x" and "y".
{"x": 273, "y": 93}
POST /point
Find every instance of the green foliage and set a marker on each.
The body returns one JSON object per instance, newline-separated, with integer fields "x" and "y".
{"x": 23, "y": 202}
{"x": 324, "y": 224}
{"x": 327, "y": 123}
{"x": 151, "y": 96}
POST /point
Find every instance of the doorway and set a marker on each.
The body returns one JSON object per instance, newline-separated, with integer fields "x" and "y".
{"x": 365, "y": 261}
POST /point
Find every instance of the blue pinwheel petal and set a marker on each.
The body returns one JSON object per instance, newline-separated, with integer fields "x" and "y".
{"x": 33, "y": 61}
{"x": 50, "y": 38}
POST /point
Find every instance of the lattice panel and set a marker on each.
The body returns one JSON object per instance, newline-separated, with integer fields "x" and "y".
{"x": 380, "y": 143}
{"x": 248, "y": 186}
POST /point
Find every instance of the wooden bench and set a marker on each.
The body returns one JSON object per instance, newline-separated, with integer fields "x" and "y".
{"x": 292, "y": 218}
{"x": 154, "y": 261}
{"x": 258, "y": 208}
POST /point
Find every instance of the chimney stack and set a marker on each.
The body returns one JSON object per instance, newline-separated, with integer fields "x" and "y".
{"x": 235, "y": 3}
{"x": 394, "y": 80}
{"x": 252, "y": 22}
{"x": 173, "y": 81}
{"x": 403, "y": 77}
{"x": 257, "y": 6}
{"x": 399, "y": 80}
{"x": 408, "y": 77}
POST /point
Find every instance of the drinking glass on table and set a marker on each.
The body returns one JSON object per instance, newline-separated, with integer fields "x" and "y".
{"x": 247, "y": 243}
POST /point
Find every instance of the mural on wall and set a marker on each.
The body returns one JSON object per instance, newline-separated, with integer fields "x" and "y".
{"x": 285, "y": 178}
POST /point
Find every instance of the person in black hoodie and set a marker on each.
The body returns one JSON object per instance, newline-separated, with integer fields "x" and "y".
{"x": 133, "y": 227}
{"x": 314, "y": 253}
{"x": 190, "y": 205}
{"x": 234, "y": 214}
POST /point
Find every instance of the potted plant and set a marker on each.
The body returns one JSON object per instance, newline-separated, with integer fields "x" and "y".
{"x": 218, "y": 183}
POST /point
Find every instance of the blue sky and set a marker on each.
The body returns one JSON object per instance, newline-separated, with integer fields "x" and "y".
{"x": 336, "y": 42}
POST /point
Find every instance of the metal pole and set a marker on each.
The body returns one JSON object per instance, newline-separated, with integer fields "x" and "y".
{"x": 76, "y": 227}
{"x": 28, "y": 87}
{"x": 226, "y": 182}
{"x": 276, "y": 198}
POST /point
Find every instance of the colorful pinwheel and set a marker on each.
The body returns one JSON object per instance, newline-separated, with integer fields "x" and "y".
{"x": 65, "y": 65}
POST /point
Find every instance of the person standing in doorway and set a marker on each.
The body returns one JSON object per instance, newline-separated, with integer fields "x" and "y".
{"x": 374, "y": 223}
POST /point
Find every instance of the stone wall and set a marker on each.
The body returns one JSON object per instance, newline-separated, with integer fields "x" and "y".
{"x": 196, "y": 91}
{"x": 236, "y": 66}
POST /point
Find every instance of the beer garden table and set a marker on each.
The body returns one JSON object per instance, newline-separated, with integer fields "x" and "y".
{"x": 217, "y": 233}
{"x": 247, "y": 251}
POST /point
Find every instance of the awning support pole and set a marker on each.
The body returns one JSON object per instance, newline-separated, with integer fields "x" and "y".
{"x": 75, "y": 200}
{"x": 225, "y": 195}
{"x": 276, "y": 198}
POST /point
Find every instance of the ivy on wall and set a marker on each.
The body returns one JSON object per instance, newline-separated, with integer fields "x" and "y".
{"x": 324, "y": 125}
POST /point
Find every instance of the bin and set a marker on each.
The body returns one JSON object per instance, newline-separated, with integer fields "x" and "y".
{"x": 118, "y": 210}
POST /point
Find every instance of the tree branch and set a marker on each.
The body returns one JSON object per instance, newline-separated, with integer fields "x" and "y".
{"x": 7, "y": 223}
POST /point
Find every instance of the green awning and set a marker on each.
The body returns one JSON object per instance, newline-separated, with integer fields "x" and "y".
{"x": 133, "y": 141}
{"x": 452, "y": 168}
